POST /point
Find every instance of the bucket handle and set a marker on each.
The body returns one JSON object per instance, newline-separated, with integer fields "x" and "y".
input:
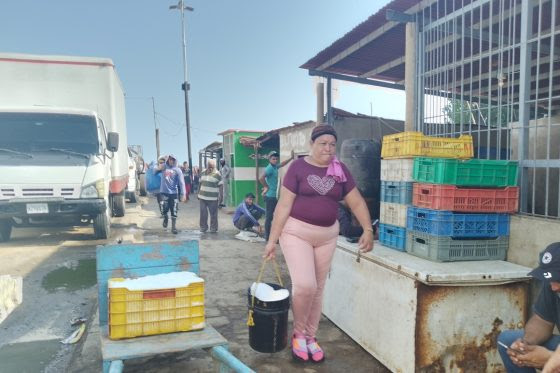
{"x": 250, "y": 321}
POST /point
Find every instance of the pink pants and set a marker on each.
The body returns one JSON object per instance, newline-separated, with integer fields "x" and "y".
{"x": 308, "y": 250}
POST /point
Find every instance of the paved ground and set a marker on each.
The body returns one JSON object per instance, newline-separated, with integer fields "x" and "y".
{"x": 59, "y": 284}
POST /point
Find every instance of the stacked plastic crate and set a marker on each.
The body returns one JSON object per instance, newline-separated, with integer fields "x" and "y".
{"x": 396, "y": 196}
{"x": 461, "y": 209}
{"x": 397, "y": 167}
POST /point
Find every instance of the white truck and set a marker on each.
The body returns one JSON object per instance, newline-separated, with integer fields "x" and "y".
{"x": 63, "y": 147}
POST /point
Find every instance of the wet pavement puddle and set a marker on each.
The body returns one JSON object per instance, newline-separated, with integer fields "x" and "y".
{"x": 75, "y": 276}
{"x": 28, "y": 357}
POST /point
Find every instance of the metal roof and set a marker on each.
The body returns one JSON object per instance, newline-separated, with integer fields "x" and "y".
{"x": 216, "y": 145}
{"x": 236, "y": 130}
{"x": 374, "y": 49}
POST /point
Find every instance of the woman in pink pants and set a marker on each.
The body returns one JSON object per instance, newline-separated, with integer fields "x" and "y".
{"x": 305, "y": 221}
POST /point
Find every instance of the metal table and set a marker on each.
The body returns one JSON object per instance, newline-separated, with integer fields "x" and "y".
{"x": 414, "y": 314}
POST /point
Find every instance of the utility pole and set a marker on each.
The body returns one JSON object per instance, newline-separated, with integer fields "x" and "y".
{"x": 155, "y": 126}
{"x": 182, "y": 7}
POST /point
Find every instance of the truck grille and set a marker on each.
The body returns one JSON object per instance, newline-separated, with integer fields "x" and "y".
{"x": 37, "y": 192}
{"x": 7, "y": 192}
{"x": 65, "y": 191}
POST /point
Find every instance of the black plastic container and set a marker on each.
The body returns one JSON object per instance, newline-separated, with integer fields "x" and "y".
{"x": 363, "y": 159}
{"x": 270, "y": 332}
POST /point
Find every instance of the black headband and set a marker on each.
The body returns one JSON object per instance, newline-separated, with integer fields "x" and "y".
{"x": 323, "y": 129}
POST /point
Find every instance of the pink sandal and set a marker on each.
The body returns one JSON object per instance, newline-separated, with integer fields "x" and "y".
{"x": 315, "y": 351}
{"x": 299, "y": 349}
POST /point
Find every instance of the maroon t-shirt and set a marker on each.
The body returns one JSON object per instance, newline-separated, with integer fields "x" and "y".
{"x": 317, "y": 195}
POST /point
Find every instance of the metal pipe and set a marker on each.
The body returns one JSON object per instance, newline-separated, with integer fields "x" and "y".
{"x": 410, "y": 75}
{"x": 320, "y": 103}
{"x": 157, "y": 142}
{"x": 329, "y": 102}
{"x": 116, "y": 366}
{"x": 524, "y": 95}
{"x": 377, "y": 83}
{"x": 221, "y": 353}
{"x": 182, "y": 7}
{"x": 257, "y": 194}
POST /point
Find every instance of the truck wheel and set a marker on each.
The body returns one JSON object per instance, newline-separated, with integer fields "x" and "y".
{"x": 142, "y": 181}
{"x": 118, "y": 205}
{"x": 101, "y": 226}
{"x": 132, "y": 197}
{"x": 5, "y": 230}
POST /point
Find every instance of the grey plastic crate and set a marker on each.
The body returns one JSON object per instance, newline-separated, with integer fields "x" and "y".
{"x": 396, "y": 192}
{"x": 447, "y": 249}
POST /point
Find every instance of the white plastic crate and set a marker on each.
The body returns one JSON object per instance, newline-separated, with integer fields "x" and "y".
{"x": 397, "y": 169}
{"x": 393, "y": 214}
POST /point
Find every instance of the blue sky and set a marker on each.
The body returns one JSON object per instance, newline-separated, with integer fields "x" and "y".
{"x": 243, "y": 59}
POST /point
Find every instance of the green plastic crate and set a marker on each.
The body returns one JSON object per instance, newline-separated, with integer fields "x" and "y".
{"x": 472, "y": 172}
{"x": 447, "y": 249}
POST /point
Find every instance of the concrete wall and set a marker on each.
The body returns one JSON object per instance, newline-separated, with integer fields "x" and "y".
{"x": 538, "y": 138}
{"x": 297, "y": 139}
{"x": 529, "y": 236}
{"x": 369, "y": 128}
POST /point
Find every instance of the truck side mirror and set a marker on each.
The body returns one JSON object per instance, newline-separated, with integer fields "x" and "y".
{"x": 113, "y": 141}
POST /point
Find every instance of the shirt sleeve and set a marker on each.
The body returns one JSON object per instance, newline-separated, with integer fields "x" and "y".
{"x": 238, "y": 213}
{"x": 349, "y": 184}
{"x": 290, "y": 180}
{"x": 183, "y": 189}
{"x": 545, "y": 306}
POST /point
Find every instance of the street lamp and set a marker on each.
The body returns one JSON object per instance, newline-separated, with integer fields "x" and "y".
{"x": 185, "y": 86}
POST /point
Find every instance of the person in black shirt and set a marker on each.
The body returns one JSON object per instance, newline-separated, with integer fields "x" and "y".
{"x": 349, "y": 226}
{"x": 188, "y": 178}
{"x": 530, "y": 349}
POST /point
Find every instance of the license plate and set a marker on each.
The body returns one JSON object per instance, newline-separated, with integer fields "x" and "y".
{"x": 37, "y": 208}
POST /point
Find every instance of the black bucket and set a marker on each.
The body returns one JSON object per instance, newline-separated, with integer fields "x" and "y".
{"x": 270, "y": 332}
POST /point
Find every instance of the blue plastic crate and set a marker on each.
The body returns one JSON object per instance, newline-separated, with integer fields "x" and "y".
{"x": 392, "y": 236}
{"x": 458, "y": 225}
{"x": 396, "y": 192}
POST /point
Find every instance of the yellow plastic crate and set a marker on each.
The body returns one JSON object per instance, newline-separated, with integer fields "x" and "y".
{"x": 415, "y": 144}
{"x": 134, "y": 313}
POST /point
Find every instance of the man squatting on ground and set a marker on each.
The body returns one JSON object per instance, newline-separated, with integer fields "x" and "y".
{"x": 269, "y": 181}
{"x": 172, "y": 183}
{"x": 208, "y": 195}
{"x": 247, "y": 214}
{"x": 532, "y": 347}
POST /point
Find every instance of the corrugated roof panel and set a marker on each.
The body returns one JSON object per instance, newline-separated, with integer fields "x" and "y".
{"x": 359, "y": 32}
{"x": 386, "y": 48}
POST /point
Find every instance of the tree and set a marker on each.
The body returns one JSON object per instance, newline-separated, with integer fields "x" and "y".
{"x": 478, "y": 114}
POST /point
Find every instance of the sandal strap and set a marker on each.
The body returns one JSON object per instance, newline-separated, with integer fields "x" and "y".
{"x": 314, "y": 347}
{"x": 299, "y": 344}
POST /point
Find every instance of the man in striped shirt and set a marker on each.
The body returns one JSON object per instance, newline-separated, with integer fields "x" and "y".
{"x": 208, "y": 194}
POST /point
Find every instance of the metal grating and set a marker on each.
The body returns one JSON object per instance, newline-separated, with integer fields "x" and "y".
{"x": 491, "y": 68}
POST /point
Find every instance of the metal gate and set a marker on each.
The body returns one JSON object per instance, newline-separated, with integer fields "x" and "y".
{"x": 491, "y": 68}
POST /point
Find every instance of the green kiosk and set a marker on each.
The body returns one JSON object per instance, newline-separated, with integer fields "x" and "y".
{"x": 239, "y": 152}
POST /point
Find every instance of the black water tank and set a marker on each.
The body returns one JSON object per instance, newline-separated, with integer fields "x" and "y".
{"x": 363, "y": 159}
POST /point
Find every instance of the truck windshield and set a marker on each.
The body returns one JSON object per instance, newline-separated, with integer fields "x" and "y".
{"x": 34, "y": 132}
